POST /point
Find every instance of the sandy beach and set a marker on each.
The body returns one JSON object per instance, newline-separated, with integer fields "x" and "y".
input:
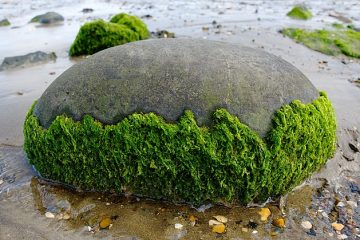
{"x": 24, "y": 199}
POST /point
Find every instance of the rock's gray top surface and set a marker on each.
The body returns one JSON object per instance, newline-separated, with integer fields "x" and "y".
{"x": 167, "y": 76}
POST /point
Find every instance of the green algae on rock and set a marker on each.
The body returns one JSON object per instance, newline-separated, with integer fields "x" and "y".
{"x": 4, "y": 22}
{"x": 98, "y": 35}
{"x": 300, "y": 12}
{"x": 132, "y": 22}
{"x": 145, "y": 155}
{"x": 331, "y": 42}
{"x": 181, "y": 119}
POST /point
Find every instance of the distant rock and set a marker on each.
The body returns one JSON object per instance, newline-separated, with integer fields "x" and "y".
{"x": 87, "y": 10}
{"x": 4, "y": 22}
{"x": 163, "y": 34}
{"x": 28, "y": 59}
{"x": 48, "y": 18}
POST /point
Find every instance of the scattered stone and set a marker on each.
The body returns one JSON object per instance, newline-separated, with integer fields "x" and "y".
{"x": 254, "y": 232}
{"x": 178, "y": 226}
{"x": 306, "y": 225}
{"x": 48, "y": 18}
{"x": 221, "y": 219}
{"x": 204, "y": 207}
{"x": 105, "y": 223}
{"x": 352, "y": 204}
{"x": 193, "y": 220}
{"x": 147, "y": 16}
{"x": 66, "y": 216}
{"x": 311, "y": 232}
{"x": 87, "y": 10}
{"x": 49, "y": 215}
{"x": 219, "y": 228}
{"x": 28, "y": 59}
{"x": 337, "y": 226}
{"x": 354, "y": 188}
{"x": 354, "y": 148}
{"x": 264, "y": 214}
{"x": 244, "y": 229}
{"x": 340, "y": 17}
{"x": 340, "y": 204}
{"x": 214, "y": 222}
{"x": 163, "y": 34}
{"x": 279, "y": 222}
{"x": 342, "y": 236}
{"x": 4, "y": 22}
{"x": 252, "y": 224}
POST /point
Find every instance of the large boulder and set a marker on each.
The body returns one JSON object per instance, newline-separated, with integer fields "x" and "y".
{"x": 171, "y": 75}
{"x": 183, "y": 120}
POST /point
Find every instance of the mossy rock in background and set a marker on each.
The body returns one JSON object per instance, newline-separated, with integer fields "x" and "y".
{"x": 182, "y": 120}
{"x": 98, "y": 35}
{"x": 331, "y": 42}
{"x": 132, "y": 22}
{"x": 4, "y": 22}
{"x": 300, "y": 12}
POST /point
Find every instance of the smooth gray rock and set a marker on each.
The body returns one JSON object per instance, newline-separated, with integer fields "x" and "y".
{"x": 28, "y": 59}
{"x": 167, "y": 76}
{"x": 48, "y": 18}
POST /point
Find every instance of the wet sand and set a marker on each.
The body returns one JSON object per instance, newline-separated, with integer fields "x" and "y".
{"x": 24, "y": 200}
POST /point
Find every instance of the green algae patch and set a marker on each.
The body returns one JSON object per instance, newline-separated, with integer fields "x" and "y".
{"x": 300, "y": 12}
{"x": 98, "y": 35}
{"x": 132, "y": 22}
{"x": 330, "y": 42}
{"x": 182, "y": 162}
{"x": 4, "y": 22}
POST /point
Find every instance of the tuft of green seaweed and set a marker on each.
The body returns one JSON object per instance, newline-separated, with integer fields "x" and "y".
{"x": 4, "y": 22}
{"x": 182, "y": 162}
{"x": 331, "y": 42}
{"x": 132, "y": 22}
{"x": 98, "y": 35}
{"x": 300, "y": 12}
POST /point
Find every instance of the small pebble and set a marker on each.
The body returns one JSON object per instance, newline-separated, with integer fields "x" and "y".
{"x": 244, "y": 229}
{"x": 178, "y": 226}
{"x": 105, "y": 223}
{"x": 221, "y": 219}
{"x": 213, "y": 222}
{"x": 264, "y": 214}
{"x": 279, "y": 222}
{"x": 49, "y": 215}
{"x": 66, "y": 216}
{"x": 352, "y": 204}
{"x": 342, "y": 236}
{"x": 306, "y": 225}
{"x": 1, "y": 181}
{"x": 340, "y": 204}
{"x": 254, "y": 232}
{"x": 220, "y": 228}
{"x": 337, "y": 226}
